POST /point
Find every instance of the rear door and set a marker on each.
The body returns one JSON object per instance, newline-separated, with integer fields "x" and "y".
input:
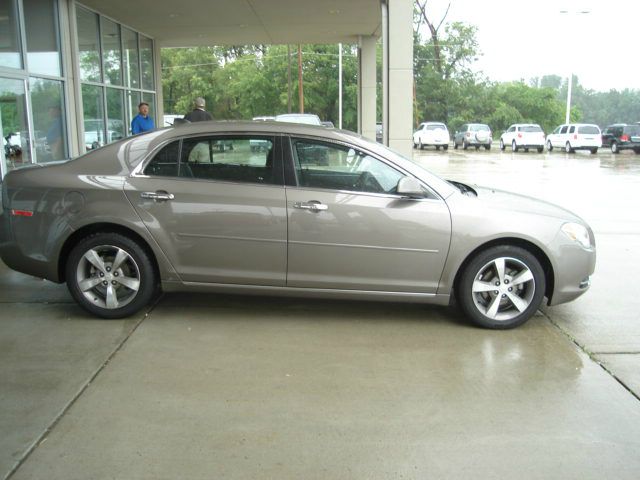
{"x": 216, "y": 206}
{"x": 349, "y": 230}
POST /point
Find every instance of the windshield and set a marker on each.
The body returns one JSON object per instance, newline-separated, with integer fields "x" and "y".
{"x": 438, "y": 126}
{"x": 531, "y": 128}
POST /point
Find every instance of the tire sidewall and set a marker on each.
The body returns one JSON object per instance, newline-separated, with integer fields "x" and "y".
{"x": 471, "y": 270}
{"x": 148, "y": 280}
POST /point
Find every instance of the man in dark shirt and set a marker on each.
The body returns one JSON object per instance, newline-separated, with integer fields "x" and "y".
{"x": 198, "y": 114}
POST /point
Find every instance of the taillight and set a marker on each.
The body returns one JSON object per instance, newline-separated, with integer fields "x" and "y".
{"x": 624, "y": 138}
{"x": 575, "y": 136}
{"x": 21, "y": 213}
{"x": 468, "y": 134}
{"x": 519, "y": 135}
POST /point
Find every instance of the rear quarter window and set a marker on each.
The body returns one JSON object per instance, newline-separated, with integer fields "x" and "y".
{"x": 588, "y": 130}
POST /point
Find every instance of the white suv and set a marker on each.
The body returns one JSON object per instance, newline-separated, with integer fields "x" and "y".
{"x": 523, "y": 135}
{"x": 431, "y": 133}
{"x": 575, "y": 136}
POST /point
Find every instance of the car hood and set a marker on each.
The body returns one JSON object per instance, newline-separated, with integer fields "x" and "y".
{"x": 506, "y": 201}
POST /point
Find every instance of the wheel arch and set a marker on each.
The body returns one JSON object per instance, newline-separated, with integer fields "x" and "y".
{"x": 532, "y": 248}
{"x": 103, "y": 227}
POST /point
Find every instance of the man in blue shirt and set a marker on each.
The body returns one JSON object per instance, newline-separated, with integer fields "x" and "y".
{"x": 142, "y": 122}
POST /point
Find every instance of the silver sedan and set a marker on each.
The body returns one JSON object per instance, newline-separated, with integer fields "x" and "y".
{"x": 313, "y": 212}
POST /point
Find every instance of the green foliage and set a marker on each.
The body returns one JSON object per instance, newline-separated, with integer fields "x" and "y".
{"x": 244, "y": 82}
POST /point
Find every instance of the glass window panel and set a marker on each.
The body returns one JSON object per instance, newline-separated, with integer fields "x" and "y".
{"x": 9, "y": 35}
{"x": 133, "y": 99}
{"x": 335, "y": 167}
{"x": 88, "y": 45}
{"x": 244, "y": 160}
{"x": 93, "y": 112}
{"x": 49, "y": 123}
{"x": 14, "y": 125}
{"x": 115, "y": 115}
{"x": 43, "y": 46}
{"x": 165, "y": 163}
{"x": 146, "y": 56}
{"x": 131, "y": 66}
{"x": 111, "y": 52}
{"x": 150, "y": 98}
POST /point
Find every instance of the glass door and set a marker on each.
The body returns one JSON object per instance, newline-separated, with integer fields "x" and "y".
{"x": 16, "y": 148}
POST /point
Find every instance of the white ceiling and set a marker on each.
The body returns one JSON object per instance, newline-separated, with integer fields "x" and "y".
{"x": 187, "y": 23}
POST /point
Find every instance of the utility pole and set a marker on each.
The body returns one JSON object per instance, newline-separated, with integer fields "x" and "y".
{"x": 300, "y": 90}
{"x": 289, "y": 79}
{"x": 340, "y": 86}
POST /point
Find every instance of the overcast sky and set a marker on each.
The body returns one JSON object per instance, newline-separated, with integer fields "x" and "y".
{"x": 531, "y": 38}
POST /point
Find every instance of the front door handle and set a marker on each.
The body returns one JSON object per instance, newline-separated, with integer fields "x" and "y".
{"x": 159, "y": 196}
{"x": 312, "y": 205}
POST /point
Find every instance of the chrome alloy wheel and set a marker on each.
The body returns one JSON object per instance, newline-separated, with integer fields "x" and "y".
{"x": 108, "y": 276}
{"x": 503, "y": 288}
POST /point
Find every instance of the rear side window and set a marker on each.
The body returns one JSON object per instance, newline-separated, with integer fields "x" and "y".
{"x": 531, "y": 128}
{"x": 231, "y": 159}
{"x": 572, "y": 128}
{"x": 165, "y": 163}
{"x": 632, "y": 130}
{"x": 588, "y": 130}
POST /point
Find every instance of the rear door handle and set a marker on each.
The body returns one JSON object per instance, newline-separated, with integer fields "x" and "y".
{"x": 159, "y": 196}
{"x": 312, "y": 205}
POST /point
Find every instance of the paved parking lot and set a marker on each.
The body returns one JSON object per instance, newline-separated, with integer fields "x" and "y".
{"x": 208, "y": 387}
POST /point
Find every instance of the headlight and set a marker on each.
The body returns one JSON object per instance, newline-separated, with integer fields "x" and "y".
{"x": 577, "y": 233}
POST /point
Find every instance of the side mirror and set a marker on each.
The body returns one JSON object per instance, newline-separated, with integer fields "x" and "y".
{"x": 410, "y": 187}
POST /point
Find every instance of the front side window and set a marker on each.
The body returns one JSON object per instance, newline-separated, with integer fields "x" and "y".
{"x": 572, "y": 129}
{"x": 337, "y": 167}
{"x": 511, "y": 129}
{"x": 557, "y": 130}
{"x": 564, "y": 129}
{"x": 228, "y": 159}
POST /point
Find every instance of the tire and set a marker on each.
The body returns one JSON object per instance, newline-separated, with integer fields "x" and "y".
{"x": 595, "y": 150}
{"x": 465, "y": 145}
{"x": 514, "y": 146}
{"x": 636, "y": 151}
{"x": 92, "y": 259}
{"x": 514, "y": 303}
{"x": 502, "y": 147}
{"x": 455, "y": 145}
{"x": 526, "y": 150}
{"x": 437, "y": 147}
{"x": 487, "y": 147}
{"x": 445, "y": 147}
{"x": 549, "y": 146}
{"x": 415, "y": 145}
{"x": 420, "y": 145}
{"x": 540, "y": 149}
{"x": 568, "y": 148}
{"x": 614, "y": 148}
{"x": 477, "y": 147}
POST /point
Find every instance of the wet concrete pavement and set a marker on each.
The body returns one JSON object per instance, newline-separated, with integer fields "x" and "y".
{"x": 242, "y": 387}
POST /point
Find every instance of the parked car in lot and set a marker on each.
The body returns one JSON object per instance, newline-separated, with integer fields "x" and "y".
{"x": 523, "y": 135}
{"x": 166, "y": 210}
{"x": 306, "y": 118}
{"x": 621, "y": 136}
{"x": 433, "y": 134}
{"x": 473, "y": 135}
{"x": 575, "y": 136}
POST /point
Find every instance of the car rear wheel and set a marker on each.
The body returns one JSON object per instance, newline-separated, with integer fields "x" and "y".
{"x": 594, "y": 150}
{"x": 514, "y": 146}
{"x": 540, "y": 149}
{"x": 445, "y": 147}
{"x": 465, "y": 145}
{"x": 487, "y": 147}
{"x": 636, "y": 150}
{"x": 110, "y": 275}
{"x": 549, "y": 146}
{"x": 568, "y": 148}
{"x": 455, "y": 145}
{"x": 502, "y": 287}
{"x": 614, "y": 147}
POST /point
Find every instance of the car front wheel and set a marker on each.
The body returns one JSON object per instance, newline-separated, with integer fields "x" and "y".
{"x": 502, "y": 147}
{"x": 110, "y": 275}
{"x": 502, "y": 287}
{"x": 614, "y": 147}
{"x": 549, "y": 146}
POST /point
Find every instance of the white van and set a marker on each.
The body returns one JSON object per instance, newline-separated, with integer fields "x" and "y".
{"x": 575, "y": 136}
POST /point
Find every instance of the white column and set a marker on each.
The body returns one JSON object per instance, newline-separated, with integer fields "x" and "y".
{"x": 157, "y": 64}
{"x": 400, "y": 74}
{"x": 368, "y": 87}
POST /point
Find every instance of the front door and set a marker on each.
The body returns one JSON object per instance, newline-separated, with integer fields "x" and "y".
{"x": 349, "y": 230}
{"x": 219, "y": 213}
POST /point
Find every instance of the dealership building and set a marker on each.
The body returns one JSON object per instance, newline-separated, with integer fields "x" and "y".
{"x": 73, "y": 73}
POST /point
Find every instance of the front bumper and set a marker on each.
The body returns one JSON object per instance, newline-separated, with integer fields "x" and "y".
{"x": 573, "y": 268}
